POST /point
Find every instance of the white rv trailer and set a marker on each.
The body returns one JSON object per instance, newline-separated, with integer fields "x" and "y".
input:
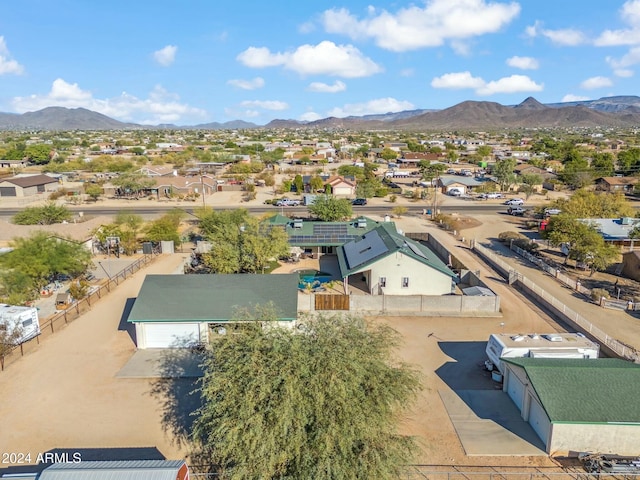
{"x": 21, "y": 321}
{"x": 548, "y": 345}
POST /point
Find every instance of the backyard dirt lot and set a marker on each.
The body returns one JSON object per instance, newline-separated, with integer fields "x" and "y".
{"x": 65, "y": 394}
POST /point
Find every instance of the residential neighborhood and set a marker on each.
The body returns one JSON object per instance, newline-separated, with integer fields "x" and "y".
{"x": 220, "y": 231}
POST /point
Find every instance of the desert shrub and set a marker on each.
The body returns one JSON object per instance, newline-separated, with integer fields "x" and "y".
{"x": 598, "y": 293}
{"x": 526, "y": 244}
{"x": 507, "y": 236}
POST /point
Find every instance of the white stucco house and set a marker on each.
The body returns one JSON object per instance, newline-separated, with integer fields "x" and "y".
{"x": 391, "y": 264}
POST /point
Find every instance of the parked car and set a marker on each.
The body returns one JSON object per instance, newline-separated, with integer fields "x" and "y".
{"x": 519, "y": 211}
{"x": 451, "y": 171}
{"x": 492, "y": 195}
{"x": 514, "y": 201}
{"x": 455, "y": 192}
{"x": 287, "y": 202}
{"x": 552, "y": 211}
{"x": 359, "y": 201}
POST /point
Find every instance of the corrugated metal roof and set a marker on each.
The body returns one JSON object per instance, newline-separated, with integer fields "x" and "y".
{"x": 116, "y": 470}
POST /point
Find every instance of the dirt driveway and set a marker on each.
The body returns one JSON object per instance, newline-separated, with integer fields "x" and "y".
{"x": 65, "y": 394}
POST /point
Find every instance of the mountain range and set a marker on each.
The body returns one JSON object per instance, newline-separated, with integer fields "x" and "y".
{"x": 618, "y": 111}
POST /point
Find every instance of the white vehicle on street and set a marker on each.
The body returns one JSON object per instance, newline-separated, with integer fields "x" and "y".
{"x": 514, "y": 201}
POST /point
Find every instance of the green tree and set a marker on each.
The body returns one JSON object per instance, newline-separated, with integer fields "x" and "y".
{"x": 484, "y": 151}
{"x": 529, "y": 182}
{"x": 297, "y": 181}
{"x": 324, "y": 403}
{"x": 316, "y": 183}
{"x": 47, "y": 214}
{"x": 33, "y": 260}
{"x": 39, "y": 154}
{"x": 165, "y": 228}
{"x": 331, "y": 209}
{"x": 240, "y": 243}
{"x": 368, "y": 188}
{"x": 589, "y": 204}
{"x": 603, "y": 164}
{"x": 388, "y": 154}
{"x": 429, "y": 171}
{"x": 503, "y": 171}
{"x": 133, "y": 183}
{"x": 94, "y": 191}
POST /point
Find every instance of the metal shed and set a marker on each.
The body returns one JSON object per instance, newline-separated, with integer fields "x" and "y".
{"x": 118, "y": 470}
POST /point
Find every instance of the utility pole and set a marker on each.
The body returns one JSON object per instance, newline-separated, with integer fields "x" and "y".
{"x": 435, "y": 198}
{"x": 204, "y": 205}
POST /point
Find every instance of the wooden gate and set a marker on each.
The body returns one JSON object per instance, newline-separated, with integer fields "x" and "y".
{"x": 332, "y": 302}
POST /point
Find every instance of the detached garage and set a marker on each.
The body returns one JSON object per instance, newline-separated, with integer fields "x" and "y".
{"x": 578, "y": 405}
{"x": 179, "y": 310}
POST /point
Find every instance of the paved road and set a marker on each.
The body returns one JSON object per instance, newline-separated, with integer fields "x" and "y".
{"x": 150, "y": 210}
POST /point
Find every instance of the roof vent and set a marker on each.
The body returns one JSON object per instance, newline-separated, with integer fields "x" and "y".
{"x": 518, "y": 338}
{"x": 553, "y": 338}
{"x": 361, "y": 223}
{"x": 297, "y": 223}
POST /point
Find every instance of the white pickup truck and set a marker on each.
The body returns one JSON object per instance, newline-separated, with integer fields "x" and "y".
{"x": 287, "y": 202}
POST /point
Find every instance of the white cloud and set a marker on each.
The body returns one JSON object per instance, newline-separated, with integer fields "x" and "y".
{"x": 596, "y": 82}
{"x": 253, "y": 84}
{"x": 160, "y": 106}
{"x": 457, "y": 81}
{"x": 7, "y": 64}
{"x": 407, "y": 72}
{"x": 379, "y": 105}
{"x": 629, "y": 14}
{"x": 632, "y": 57}
{"x": 306, "y": 27}
{"x": 310, "y": 117}
{"x": 512, "y": 84}
{"x": 165, "y": 56}
{"x": 320, "y": 87}
{"x": 265, "y": 104}
{"x": 325, "y": 58}
{"x": 570, "y": 97}
{"x": 565, "y": 37}
{"x": 464, "y": 80}
{"x": 523, "y": 63}
{"x": 623, "y": 73}
{"x": 415, "y": 27}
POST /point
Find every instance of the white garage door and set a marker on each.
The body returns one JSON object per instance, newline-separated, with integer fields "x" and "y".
{"x": 515, "y": 389}
{"x": 539, "y": 420}
{"x": 165, "y": 335}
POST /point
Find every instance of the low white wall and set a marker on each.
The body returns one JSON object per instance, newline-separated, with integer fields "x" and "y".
{"x": 413, "y": 304}
{"x": 611, "y": 439}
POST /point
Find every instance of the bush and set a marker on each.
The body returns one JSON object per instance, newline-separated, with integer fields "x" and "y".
{"x": 598, "y": 293}
{"x": 507, "y": 236}
{"x": 526, "y": 244}
{"x": 393, "y": 198}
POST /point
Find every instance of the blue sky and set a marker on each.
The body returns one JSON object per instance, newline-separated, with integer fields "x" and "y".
{"x": 196, "y": 61}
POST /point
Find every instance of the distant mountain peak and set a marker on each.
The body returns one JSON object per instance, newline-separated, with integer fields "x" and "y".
{"x": 531, "y": 103}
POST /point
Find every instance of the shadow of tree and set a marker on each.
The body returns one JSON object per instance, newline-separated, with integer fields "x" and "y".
{"x": 179, "y": 396}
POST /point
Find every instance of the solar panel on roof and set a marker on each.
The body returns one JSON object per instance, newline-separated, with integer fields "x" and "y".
{"x": 367, "y": 248}
{"x": 415, "y": 249}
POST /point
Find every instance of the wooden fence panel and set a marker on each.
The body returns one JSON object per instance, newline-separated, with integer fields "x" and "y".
{"x": 332, "y": 302}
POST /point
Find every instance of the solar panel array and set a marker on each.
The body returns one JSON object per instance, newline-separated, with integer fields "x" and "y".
{"x": 364, "y": 250}
{"x": 332, "y": 234}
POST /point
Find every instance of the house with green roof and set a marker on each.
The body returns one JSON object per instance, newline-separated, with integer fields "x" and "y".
{"x": 178, "y": 310}
{"x": 391, "y": 264}
{"x": 578, "y": 405}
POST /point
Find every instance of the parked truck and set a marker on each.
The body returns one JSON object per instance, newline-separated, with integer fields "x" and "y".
{"x": 18, "y": 324}
{"x": 548, "y": 345}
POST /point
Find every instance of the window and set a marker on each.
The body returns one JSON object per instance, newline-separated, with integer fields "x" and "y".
{"x": 405, "y": 282}
{"x": 383, "y": 282}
